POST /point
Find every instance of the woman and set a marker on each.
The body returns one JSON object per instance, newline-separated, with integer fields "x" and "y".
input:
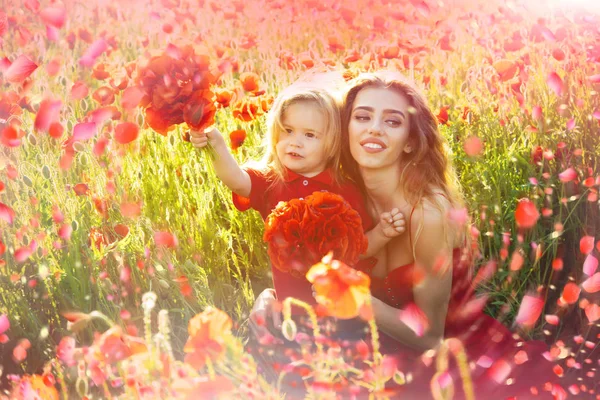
{"x": 393, "y": 149}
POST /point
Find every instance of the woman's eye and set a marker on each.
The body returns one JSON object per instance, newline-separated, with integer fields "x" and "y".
{"x": 394, "y": 123}
{"x": 361, "y": 117}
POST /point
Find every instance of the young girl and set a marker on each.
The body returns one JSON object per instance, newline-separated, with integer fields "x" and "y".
{"x": 303, "y": 156}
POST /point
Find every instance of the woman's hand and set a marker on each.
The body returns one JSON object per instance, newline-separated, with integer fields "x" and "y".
{"x": 263, "y": 310}
{"x": 202, "y": 139}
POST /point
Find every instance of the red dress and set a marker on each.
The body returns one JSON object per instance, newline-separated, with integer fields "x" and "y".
{"x": 502, "y": 365}
{"x": 266, "y": 191}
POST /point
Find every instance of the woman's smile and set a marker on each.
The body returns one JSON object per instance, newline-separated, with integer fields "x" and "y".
{"x": 373, "y": 145}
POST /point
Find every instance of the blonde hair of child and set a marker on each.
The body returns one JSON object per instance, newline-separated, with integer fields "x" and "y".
{"x": 327, "y": 102}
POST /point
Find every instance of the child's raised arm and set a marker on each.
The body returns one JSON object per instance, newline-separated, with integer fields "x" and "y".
{"x": 226, "y": 166}
{"x": 391, "y": 224}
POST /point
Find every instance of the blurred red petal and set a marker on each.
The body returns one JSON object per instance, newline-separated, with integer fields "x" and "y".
{"x": 22, "y": 254}
{"x": 56, "y": 130}
{"x": 526, "y": 214}
{"x": 131, "y": 97}
{"x": 521, "y": 357}
{"x": 20, "y": 69}
{"x": 47, "y": 114}
{"x": 165, "y": 239}
{"x": 516, "y": 261}
{"x": 81, "y": 189}
{"x": 6, "y": 213}
{"x": 586, "y": 244}
{"x": 9, "y": 137}
{"x": 79, "y": 90}
{"x": 126, "y": 132}
{"x": 130, "y": 210}
{"x": 570, "y": 293}
{"x": 473, "y": 146}
{"x": 65, "y": 232}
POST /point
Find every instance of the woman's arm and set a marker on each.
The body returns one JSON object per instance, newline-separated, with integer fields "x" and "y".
{"x": 432, "y": 295}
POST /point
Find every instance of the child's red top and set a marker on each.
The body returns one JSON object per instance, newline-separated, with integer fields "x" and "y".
{"x": 264, "y": 196}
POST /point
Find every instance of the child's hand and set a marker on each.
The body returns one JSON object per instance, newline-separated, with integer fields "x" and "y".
{"x": 392, "y": 223}
{"x": 201, "y": 139}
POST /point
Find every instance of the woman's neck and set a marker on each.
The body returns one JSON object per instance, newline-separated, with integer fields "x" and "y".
{"x": 382, "y": 185}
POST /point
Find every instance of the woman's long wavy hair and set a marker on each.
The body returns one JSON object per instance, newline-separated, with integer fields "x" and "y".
{"x": 426, "y": 170}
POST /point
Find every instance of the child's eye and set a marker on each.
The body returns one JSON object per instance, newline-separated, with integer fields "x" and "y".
{"x": 288, "y": 130}
{"x": 310, "y": 135}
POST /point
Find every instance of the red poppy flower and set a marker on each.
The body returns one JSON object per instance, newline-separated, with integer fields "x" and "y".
{"x": 237, "y": 138}
{"x": 301, "y": 231}
{"x": 342, "y": 290}
{"x": 207, "y": 332}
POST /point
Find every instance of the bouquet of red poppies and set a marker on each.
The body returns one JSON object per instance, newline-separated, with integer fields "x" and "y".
{"x": 176, "y": 88}
{"x": 301, "y": 231}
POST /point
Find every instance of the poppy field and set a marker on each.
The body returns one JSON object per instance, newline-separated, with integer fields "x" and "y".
{"x": 125, "y": 269}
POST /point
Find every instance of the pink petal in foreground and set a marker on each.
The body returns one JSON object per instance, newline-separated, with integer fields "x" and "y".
{"x": 3, "y": 23}
{"x": 592, "y": 284}
{"x": 555, "y": 83}
{"x": 567, "y": 175}
{"x": 93, "y": 52}
{"x": 570, "y": 124}
{"x": 79, "y": 90}
{"x": 7, "y": 213}
{"x": 592, "y": 312}
{"x": 4, "y": 323}
{"x": 22, "y": 254}
{"x": 52, "y": 33}
{"x": 84, "y": 131}
{"x": 499, "y": 371}
{"x": 594, "y": 78}
{"x": 552, "y": 319}
{"x": 131, "y": 97}
{"x": 415, "y": 319}
{"x": 47, "y": 114}
{"x": 20, "y": 69}
{"x": 54, "y": 16}
{"x": 530, "y": 310}
{"x": 590, "y": 265}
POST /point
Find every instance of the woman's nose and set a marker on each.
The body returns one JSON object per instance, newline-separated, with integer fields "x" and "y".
{"x": 376, "y": 127}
